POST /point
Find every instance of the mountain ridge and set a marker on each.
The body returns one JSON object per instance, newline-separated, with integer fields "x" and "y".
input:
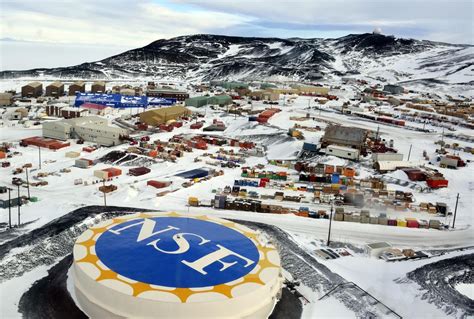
{"x": 209, "y": 56}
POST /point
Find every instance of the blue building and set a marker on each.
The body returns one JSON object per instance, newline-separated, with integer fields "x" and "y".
{"x": 120, "y": 101}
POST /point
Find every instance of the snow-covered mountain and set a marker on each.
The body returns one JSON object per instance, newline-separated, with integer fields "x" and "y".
{"x": 207, "y": 57}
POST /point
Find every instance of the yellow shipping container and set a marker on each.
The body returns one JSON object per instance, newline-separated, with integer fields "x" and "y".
{"x": 193, "y": 201}
{"x": 101, "y": 174}
{"x": 72, "y": 154}
{"x": 401, "y": 223}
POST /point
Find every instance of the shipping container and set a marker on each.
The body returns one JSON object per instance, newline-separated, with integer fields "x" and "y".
{"x": 138, "y": 171}
{"x": 158, "y": 184}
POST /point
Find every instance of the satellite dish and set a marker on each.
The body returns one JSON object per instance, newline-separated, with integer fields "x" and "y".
{"x": 377, "y": 30}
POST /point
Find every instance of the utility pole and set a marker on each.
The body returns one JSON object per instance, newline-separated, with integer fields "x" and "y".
{"x": 105, "y": 194}
{"x": 330, "y": 221}
{"x": 377, "y": 134}
{"x": 442, "y": 137}
{"x": 39, "y": 156}
{"x": 27, "y": 182}
{"x": 409, "y": 152}
{"x": 455, "y": 209}
{"x": 9, "y": 208}
{"x": 19, "y": 205}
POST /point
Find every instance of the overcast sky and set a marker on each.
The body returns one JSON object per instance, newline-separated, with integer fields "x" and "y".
{"x": 65, "y": 32}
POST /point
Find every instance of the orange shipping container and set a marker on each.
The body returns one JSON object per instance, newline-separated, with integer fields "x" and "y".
{"x": 2, "y": 154}
{"x": 329, "y": 169}
{"x": 112, "y": 171}
{"x": 349, "y": 172}
{"x": 153, "y": 153}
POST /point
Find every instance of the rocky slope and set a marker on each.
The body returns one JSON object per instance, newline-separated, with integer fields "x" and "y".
{"x": 205, "y": 57}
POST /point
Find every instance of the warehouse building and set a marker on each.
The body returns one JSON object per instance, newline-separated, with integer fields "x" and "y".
{"x": 229, "y": 271}
{"x": 200, "y": 101}
{"x": 168, "y": 93}
{"x": 6, "y": 99}
{"x": 88, "y": 128}
{"x": 393, "y": 89}
{"x": 345, "y": 136}
{"x": 266, "y": 86}
{"x": 161, "y": 116}
{"x": 98, "y": 87}
{"x": 55, "y": 89}
{"x": 77, "y": 87}
{"x": 309, "y": 89}
{"x": 33, "y": 89}
{"x": 265, "y": 95}
{"x": 230, "y": 85}
{"x": 284, "y": 91}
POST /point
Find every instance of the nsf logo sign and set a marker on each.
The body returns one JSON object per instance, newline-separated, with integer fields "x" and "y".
{"x": 177, "y": 252}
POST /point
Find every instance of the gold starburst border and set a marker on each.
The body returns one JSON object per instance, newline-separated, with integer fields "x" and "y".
{"x": 269, "y": 259}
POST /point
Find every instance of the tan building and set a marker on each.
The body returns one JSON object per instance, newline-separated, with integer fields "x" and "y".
{"x": 33, "y": 89}
{"x": 285, "y": 91}
{"x": 89, "y": 128}
{"x": 127, "y": 91}
{"x": 76, "y": 87}
{"x": 160, "y": 116}
{"x": 55, "y": 89}
{"x": 6, "y": 99}
{"x": 98, "y": 87}
{"x": 302, "y": 89}
{"x": 265, "y": 95}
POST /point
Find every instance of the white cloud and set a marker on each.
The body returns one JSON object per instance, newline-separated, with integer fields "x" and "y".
{"x": 132, "y": 23}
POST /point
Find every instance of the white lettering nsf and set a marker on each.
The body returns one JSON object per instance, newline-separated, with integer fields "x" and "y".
{"x": 147, "y": 231}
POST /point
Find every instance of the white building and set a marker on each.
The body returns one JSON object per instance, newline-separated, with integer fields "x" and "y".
{"x": 89, "y": 128}
{"x": 377, "y": 249}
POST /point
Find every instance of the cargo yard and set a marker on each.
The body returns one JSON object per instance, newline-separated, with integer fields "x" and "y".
{"x": 363, "y": 188}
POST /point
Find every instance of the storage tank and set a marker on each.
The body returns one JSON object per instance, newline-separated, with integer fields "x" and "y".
{"x": 173, "y": 265}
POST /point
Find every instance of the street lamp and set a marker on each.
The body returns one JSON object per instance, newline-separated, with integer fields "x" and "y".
{"x": 9, "y": 207}
{"x": 330, "y": 222}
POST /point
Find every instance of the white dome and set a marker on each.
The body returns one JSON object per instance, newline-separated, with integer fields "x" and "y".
{"x": 377, "y": 30}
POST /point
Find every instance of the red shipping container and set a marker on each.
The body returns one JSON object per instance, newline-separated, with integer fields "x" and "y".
{"x": 196, "y": 126}
{"x": 412, "y": 223}
{"x": 437, "y": 182}
{"x": 262, "y": 120}
{"x": 158, "y": 184}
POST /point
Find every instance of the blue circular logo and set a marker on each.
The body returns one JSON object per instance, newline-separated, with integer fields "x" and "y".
{"x": 177, "y": 252}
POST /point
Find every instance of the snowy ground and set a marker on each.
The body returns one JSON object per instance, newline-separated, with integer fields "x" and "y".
{"x": 379, "y": 278}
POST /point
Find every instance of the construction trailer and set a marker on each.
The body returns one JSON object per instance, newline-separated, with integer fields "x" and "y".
{"x": 342, "y": 152}
{"x": 377, "y": 249}
{"x": 388, "y": 166}
{"x": 387, "y": 157}
{"x": 33, "y": 89}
